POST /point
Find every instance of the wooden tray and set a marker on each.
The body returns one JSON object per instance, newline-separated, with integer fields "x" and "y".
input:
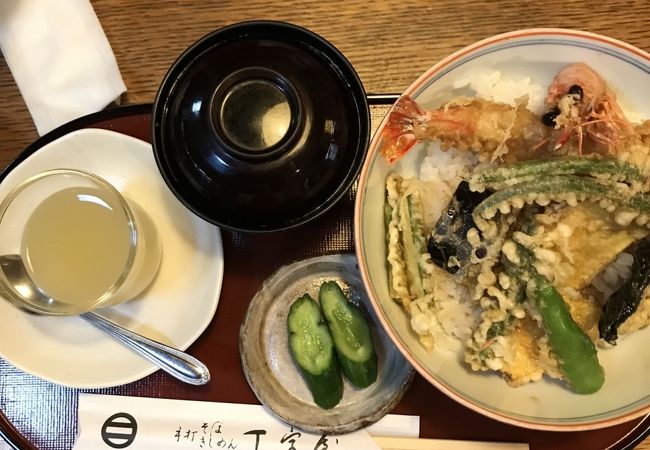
{"x": 38, "y": 414}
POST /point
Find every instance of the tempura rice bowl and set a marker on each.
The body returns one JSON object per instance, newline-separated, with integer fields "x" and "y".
{"x": 536, "y": 54}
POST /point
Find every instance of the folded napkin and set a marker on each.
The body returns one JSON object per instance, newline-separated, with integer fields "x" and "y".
{"x": 60, "y": 58}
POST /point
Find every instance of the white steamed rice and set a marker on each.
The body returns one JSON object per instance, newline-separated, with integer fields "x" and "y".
{"x": 453, "y": 315}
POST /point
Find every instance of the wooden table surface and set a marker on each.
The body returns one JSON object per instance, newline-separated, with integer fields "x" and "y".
{"x": 389, "y": 43}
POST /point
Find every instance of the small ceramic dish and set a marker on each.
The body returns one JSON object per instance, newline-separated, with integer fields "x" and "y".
{"x": 260, "y": 126}
{"x": 272, "y": 373}
{"x": 538, "y": 54}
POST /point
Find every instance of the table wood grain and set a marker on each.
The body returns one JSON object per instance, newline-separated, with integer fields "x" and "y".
{"x": 389, "y": 43}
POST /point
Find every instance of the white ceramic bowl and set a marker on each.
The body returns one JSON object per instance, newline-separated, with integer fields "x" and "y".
{"x": 539, "y": 54}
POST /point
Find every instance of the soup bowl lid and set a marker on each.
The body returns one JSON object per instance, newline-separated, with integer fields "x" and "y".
{"x": 260, "y": 126}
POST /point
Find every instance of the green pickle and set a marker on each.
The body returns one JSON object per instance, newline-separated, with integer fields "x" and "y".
{"x": 351, "y": 334}
{"x": 312, "y": 348}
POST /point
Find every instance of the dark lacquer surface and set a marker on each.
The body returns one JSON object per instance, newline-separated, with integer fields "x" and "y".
{"x": 260, "y": 126}
{"x": 38, "y": 414}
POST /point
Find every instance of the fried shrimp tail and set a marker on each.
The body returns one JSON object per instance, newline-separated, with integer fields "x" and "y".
{"x": 398, "y": 134}
{"x": 489, "y": 128}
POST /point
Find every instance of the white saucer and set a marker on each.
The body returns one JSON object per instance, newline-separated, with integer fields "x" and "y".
{"x": 175, "y": 309}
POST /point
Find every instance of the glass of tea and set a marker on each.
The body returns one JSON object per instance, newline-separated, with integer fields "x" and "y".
{"x": 83, "y": 245}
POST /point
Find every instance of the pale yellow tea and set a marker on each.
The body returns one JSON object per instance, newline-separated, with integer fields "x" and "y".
{"x": 76, "y": 245}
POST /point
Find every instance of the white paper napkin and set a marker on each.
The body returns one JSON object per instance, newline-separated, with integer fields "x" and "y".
{"x": 60, "y": 58}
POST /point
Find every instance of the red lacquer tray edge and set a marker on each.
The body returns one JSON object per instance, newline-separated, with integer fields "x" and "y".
{"x": 103, "y": 119}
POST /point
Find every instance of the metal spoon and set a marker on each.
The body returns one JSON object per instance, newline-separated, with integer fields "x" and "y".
{"x": 176, "y": 363}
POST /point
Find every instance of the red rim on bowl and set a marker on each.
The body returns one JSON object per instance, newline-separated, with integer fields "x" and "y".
{"x": 586, "y": 39}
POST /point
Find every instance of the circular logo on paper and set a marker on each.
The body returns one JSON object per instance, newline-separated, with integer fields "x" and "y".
{"x": 119, "y": 430}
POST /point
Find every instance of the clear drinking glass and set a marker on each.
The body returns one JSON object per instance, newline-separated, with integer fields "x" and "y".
{"x": 82, "y": 243}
